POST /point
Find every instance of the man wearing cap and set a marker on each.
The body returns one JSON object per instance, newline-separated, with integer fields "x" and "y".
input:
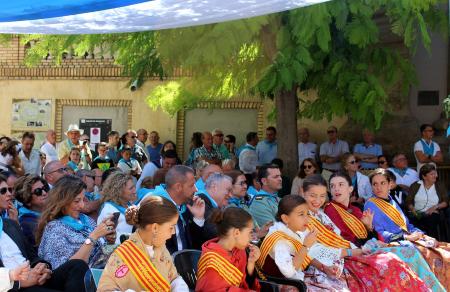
{"x": 73, "y": 140}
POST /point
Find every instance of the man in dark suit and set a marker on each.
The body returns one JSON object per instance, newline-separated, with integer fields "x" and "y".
{"x": 180, "y": 189}
{"x": 15, "y": 249}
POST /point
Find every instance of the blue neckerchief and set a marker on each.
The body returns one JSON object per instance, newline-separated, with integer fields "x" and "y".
{"x": 162, "y": 192}
{"x": 25, "y": 211}
{"x": 248, "y": 146}
{"x": 72, "y": 165}
{"x": 271, "y": 144}
{"x": 200, "y": 184}
{"x": 236, "y": 201}
{"x": 252, "y": 191}
{"x": 214, "y": 204}
{"x": 354, "y": 181}
{"x": 79, "y": 225}
{"x": 263, "y": 193}
{"x": 91, "y": 196}
{"x": 1, "y": 226}
{"x": 400, "y": 172}
{"x": 117, "y": 206}
{"x": 141, "y": 194}
{"x": 104, "y": 158}
{"x": 70, "y": 144}
{"x": 427, "y": 149}
{"x": 4, "y": 214}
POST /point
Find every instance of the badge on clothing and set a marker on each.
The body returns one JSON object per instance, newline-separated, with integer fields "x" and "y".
{"x": 122, "y": 271}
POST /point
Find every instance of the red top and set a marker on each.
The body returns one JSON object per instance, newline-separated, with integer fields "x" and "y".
{"x": 212, "y": 281}
{"x": 346, "y": 233}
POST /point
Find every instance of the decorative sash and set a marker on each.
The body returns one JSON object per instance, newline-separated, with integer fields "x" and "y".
{"x": 141, "y": 267}
{"x": 270, "y": 241}
{"x": 326, "y": 236}
{"x": 351, "y": 221}
{"x": 212, "y": 260}
{"x": 391, "y": 212}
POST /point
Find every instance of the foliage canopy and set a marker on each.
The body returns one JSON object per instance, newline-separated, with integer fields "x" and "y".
{"x": 331, "y": 48}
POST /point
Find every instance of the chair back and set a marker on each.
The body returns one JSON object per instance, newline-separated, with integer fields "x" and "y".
{"x": 186, "y": 262}
{"x": 91, "y": 279}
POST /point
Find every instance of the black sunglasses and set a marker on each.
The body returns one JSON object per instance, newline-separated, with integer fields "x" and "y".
{"x": 5, "y": 190}
{"x": 60, "y": 170}
{"x": 307, "y": 166}
{"x": 40, "y": 191}
{"x": 382, "y": 162}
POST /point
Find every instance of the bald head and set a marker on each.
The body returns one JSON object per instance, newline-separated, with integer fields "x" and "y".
{"x": 210, "y": 169}
{"x": 53, "y": 171}
{"x": 51, "y": 137}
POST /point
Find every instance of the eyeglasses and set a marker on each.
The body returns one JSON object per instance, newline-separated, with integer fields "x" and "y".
{"x": 242, "y": 183}
{"x": 219, "y": 135}
{"x": 60, "y": 170}
{"x": 5, "y": 190}
{"x": 307, "y": 166}
{"x": 39, "y": 191}
{"x": 352, "y": 162}
{"x": 382, "y": 162}
{"x": 133, "y": 137}
{"x": 331, "y": 132}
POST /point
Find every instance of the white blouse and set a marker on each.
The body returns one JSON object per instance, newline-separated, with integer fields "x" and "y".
{"x": 424, "y": 198}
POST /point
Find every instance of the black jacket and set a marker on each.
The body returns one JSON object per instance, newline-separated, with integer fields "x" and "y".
{"x": 28, "y": 252}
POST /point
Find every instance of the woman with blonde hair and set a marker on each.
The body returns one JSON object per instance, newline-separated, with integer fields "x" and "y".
{"x": 64, "y": 233}
{"x": 143, "y": 263}
{"x": 119, "y": 192}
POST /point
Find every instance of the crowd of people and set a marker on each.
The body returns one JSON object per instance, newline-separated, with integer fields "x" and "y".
{"x": 355, "y": 220}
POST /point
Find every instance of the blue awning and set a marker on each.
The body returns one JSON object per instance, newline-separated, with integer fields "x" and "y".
{"x": 111, "y": 16}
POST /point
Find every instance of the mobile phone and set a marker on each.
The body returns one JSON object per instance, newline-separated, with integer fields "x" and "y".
{"x": 115, "y": 218}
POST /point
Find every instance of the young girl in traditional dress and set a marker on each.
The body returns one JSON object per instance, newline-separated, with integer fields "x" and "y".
{"x": 357, "y": 226}
{"x": 392, "y": 224}
{"x": 143, "y": 263}
{"x": 223, "y": 265}
{"x": 333, "y": 263}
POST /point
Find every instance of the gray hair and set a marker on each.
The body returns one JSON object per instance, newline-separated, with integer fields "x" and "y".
{"x": 177, "y": 174}
{"x": 202, "y": 164}
{"x": 216, "y": 178}
{"x": 230, "y": 162}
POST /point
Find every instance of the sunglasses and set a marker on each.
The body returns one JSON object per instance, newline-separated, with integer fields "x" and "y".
{"x": 133, "y": 137}
{"x": 5, "y": 190}
{"x": 242, "y": 183}
{"x": 40, "y": 191}
{"x": 219, "y": 135}
{"x": 308, "y": 166}
{"x": 331, "y": 132}
{"x": 353, "y": 162}
{"x": 382, "y": 162}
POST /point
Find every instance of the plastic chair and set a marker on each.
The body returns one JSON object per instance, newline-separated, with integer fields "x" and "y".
{"x": 186, "y": 262}
{"x": 91, "y": 279}
{"x": 300, "y": 285}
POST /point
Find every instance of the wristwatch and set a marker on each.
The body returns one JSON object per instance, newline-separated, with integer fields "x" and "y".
{"x": 90, "y": 241}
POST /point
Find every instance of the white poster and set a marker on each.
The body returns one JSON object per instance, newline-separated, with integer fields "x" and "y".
{"x": 95, "y": 135}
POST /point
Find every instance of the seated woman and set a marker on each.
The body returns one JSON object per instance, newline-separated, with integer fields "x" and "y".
{"x": 118, "y": 193}
{"x": 426, "y": 197}
{"x": 357, "y": 226}
{"x": 64, "y": 233}
{"x": 392, "y": 224}
{"x": 223, "y": 265}
{"x": 308, "y": 167}
{"x": 143, "y": 263}
{"x": 363, "y": 272}
{"x": 239, "y": 192}
{"x": 128, "y": 164}
{"x": 361, "y": 185}
{"x": 31, "y": 192}
{"x": 75, "y": 162}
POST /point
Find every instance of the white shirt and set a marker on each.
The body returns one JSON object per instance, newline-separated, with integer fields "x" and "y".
{"x": 364, "y": 187}
{"x": 5, "y": 161}
{"x": 307, "y": 150}
{"x": 9, "y": 252}
{"x": 424, "y": 198}
{"x": 32, "y": 165}
{"x": 408, "y": 179}
{"x": 122, "y": 226}
{"x": 50, "y": 152}
{"x": 5, "y": 282}
{"x": 149, "y": 170}
{"x": 419, "y": 147}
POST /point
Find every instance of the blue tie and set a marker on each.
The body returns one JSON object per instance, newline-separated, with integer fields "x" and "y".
{"x": 182, "y": 233}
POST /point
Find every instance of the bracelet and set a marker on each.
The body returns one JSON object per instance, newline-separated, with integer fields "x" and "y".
{"x": 349, "y": 252}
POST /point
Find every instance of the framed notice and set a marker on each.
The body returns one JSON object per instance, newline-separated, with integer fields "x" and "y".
{"x": 31, "y": 114}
